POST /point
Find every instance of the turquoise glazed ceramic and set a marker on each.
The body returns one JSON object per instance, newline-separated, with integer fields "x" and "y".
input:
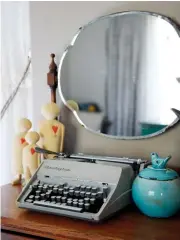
{"x": 156, "y": 190}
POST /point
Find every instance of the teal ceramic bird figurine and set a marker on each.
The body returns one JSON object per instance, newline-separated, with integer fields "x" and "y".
{"x": 157, "y": 162}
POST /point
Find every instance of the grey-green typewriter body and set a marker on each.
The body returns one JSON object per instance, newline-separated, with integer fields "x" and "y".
{"x": 78, "y": 189}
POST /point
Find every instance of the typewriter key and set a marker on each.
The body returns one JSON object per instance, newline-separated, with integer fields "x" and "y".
{"x": 58, "y": 198}
{"x": 65, "y": 194}
{"x": 88, "y": 194}
{"x": 69, "y": 203}
{"x": 60, "y": 190}
{"x": 92, "y": 200}
{"x": 88, "y": 188}
{"x": 37, "y": 198}
{"x": 81, "y": 205}
{"x": 31, "y": 197}
{"x": 55, "y": 190}
{"x": 47, "y": 195}
{"x": 105, "y": 189}
{"x": 71, "y": 192}
{"x": 44, "y": 189}
{"x": 50, "y": 186}
{"x": 69, "y": 199}
{"x": 82, "y": 194}
{"x": 100, "y": 194}
{"x": 66, "y": 189}
{"x": 93, "y": 195}
{"x": 77, "y": 193}
{"x": 38, "y": 192}
{"x": 53, "y": 198}
{"x": 87, "y": 206}
{"x": 42, "y": 195}
{"x": 64, "y": 199}
{"x": 75, "y": 204}
{"x": 75, "y": 200}
{"x": 56, "y": 186}
{"x": 83, "y": 188}
{"x": 61, "y": 185}
{"x": 77, "y": 187}
{"x": 40, "y": 187}
{"x": 86, "y": 200}
{"x": 94, "y": 189}
{"x": 81, "y": 200}
{"x": 29, "y": 201}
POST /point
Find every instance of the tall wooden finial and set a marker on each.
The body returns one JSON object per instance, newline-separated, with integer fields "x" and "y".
{"x": 52, "y": 78}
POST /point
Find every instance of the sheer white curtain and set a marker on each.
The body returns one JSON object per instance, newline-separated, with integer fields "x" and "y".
{"x": 15, "y": 48}
{"x": 124, "y": 43}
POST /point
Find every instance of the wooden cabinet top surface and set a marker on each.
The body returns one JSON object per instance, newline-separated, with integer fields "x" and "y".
{"x": 129, "y": 224}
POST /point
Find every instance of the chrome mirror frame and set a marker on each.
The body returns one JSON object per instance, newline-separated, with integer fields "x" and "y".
{"x": 169, "y": 20}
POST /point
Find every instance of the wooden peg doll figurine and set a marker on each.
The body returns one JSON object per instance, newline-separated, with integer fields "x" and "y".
{"x": 51, "y": 130}
{"x": 31, "y": 159}
{"x": 24, "y": 126}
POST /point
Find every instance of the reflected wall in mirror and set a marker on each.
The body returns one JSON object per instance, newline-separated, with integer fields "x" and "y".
{"x": 123, "y": 72}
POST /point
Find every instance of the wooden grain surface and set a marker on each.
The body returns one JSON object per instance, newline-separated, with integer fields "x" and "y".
{"x": 12, "y": 236}
{"x": 129, "y": 224}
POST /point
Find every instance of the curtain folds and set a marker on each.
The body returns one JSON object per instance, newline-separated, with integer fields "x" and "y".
{"x": 15, "y": 49}
{"x": 124, "y": 38}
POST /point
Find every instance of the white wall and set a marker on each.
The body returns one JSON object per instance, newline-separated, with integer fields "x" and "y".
{"x": 52, "y": 26}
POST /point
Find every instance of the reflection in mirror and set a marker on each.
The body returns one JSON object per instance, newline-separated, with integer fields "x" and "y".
{"x": 123, "y": 72}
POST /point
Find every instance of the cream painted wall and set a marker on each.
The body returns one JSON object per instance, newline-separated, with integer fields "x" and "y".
{"x": 52, "y": 26}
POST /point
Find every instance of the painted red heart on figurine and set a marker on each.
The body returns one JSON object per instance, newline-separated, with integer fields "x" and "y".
{"x": 32, "y": 151}
{"x": 22, "y": 140}
{"x": 54, "y": 128}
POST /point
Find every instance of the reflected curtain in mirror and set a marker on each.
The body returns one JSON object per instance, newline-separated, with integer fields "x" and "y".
{"x": 124, "y": 45}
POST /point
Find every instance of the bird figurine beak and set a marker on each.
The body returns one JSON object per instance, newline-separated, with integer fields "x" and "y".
{"x": 177, "y": 112}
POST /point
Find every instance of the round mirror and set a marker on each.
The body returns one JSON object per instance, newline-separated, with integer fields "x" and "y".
{"x": 123, "y": 71}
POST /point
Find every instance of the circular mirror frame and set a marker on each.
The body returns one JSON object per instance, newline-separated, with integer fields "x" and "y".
{"x": 168, "y": 19}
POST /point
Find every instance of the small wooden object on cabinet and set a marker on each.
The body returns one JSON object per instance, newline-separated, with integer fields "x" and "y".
{"x": 51, "y": 131}
{"x": 31, "y": 159}
{"x": 24, "y": 126}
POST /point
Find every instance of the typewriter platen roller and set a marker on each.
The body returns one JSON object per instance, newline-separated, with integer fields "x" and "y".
{"x": 83, "y": 190}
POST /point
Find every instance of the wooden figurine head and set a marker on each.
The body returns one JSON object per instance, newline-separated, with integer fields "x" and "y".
{"x": 50, "y": 111}
{"x": 73, "y": 105}
{"x": 24, "y": 125}
{"x": 32, "y": 137}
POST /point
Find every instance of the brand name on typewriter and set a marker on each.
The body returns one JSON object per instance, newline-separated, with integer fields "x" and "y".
{"x": 57, "y": 168}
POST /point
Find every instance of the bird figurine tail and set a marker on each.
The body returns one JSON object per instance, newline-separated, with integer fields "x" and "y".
{"x": 177, "y": 112}
{"x": 157, "y": 162}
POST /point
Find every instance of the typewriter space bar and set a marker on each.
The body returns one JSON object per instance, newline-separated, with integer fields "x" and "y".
{"x": 57, "y": 206}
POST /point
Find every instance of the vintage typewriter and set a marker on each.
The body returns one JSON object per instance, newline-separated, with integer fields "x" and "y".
{"x": 81, "y": 186}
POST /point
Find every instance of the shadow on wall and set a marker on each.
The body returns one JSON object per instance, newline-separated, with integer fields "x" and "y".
{"x": 70, "y": 130}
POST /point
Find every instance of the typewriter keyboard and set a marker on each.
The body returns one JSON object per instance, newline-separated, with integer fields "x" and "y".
{"x": 78, "y": 198}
